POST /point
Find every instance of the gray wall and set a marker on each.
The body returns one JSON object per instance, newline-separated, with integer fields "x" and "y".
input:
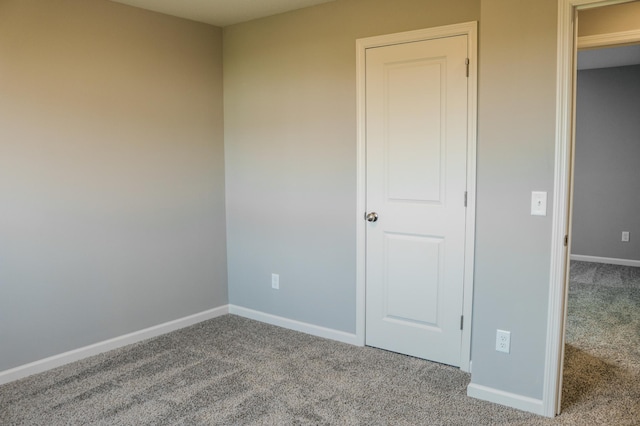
{"x": 516, "y": 140}
{"x": 607, "y": 176}
{"x": 290, "y": 145}
{"x": 111, "y": 173}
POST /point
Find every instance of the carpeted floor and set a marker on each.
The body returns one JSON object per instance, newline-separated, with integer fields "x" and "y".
{"x": 233, "y": 371}
{"x": 602, "y": 352}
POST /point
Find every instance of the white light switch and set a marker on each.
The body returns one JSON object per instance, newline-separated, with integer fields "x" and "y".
{"x": 538, "y": 203}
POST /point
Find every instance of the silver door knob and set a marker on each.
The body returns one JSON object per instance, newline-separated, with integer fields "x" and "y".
{"x": 372, "y": 217}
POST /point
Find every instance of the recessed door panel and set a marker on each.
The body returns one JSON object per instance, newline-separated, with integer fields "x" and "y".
{"x": 412, "y": 278}
{"x": 413, "y": 120}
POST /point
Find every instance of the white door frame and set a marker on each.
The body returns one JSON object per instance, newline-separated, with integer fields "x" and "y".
{"x": 565, "y": 120}
{"x": 470, "y": 30}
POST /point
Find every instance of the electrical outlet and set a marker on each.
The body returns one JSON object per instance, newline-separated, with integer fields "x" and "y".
{"x": 503, "y": 341}
{"x": 275, "y": 281}
{"x": 625, "y": 236}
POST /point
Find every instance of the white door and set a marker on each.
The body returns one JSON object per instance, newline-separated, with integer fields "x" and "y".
{"x": 416, "y": 144}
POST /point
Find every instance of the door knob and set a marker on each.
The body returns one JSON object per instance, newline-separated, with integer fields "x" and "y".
{"x": 372, "y": 217}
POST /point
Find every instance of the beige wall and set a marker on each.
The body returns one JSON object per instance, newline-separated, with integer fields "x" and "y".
{"x": 609, "y": 19}
{"x": 111, "y": 173}
{"x": 290, "y": 145}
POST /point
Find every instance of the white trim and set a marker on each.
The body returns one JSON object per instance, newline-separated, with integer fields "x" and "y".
{"x": 607, "y": 260}
{"x": 593, "y": 4}
{"x": 470, "y": 232}
{"x": 107, "y": 345}
{"x": 505, "y": 398}
{"x": 611, "y": 39}
{"x": 470, "y": 29}
{"x": 314, "y": 330}
{"x": 552, "y": 379}
{"x": 361, "y": 191}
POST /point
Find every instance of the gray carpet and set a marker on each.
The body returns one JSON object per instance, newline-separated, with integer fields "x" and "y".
{"x": 602, "y": 351}
{"x": 234, "y": 371}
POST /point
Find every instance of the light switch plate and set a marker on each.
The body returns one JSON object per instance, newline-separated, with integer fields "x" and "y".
{"x": 538, "y": 203}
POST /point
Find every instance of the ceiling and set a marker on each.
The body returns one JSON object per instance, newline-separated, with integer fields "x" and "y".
{"x": 609, "y": 57}
{"x": 221, "y": 12}
{"x": 227, "y": 12}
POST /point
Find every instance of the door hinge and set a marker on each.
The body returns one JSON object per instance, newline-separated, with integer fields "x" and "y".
{"x": 465, "y": 198}
{"x": 461, "y": 321}
{"x": 466, "y": 62}
{"x": 566, "y": 240}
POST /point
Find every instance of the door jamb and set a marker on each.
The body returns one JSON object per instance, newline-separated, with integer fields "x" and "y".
{"x": 565, "y": 95}
{"x": 470, "y": 29}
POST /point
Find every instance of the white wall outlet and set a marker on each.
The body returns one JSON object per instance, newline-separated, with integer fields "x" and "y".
{"x": 625, "y": 236}
{"x": 503, "y": 341}
{"x": 275, "y": 281}
{"x": 538, "y": 203}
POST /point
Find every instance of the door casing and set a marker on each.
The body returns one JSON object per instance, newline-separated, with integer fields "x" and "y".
{"x": 470, "y": 30}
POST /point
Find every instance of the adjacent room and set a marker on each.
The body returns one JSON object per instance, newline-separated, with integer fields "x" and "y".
{"x": 604, "y": 290}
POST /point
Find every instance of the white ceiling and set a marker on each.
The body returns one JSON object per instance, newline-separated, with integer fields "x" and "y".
{"x": 609, "y": 57}
{"x": 227, "y": 12}
{"x": 221, "y": 12}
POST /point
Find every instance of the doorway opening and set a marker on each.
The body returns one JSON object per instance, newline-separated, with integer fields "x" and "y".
{"x": 571, "y": 192}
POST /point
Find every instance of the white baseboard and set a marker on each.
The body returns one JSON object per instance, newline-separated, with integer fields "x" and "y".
{"x": 513, "y": 400}
{"x": 107, "y": 345}
{"x": 609, "y": 260}
{"x": 314, "y": 330}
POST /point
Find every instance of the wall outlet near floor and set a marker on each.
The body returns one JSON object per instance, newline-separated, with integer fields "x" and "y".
{"x": 275, "y": 281}
{"x": 625, "y": 236}
{"x": 503, "y": 341}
